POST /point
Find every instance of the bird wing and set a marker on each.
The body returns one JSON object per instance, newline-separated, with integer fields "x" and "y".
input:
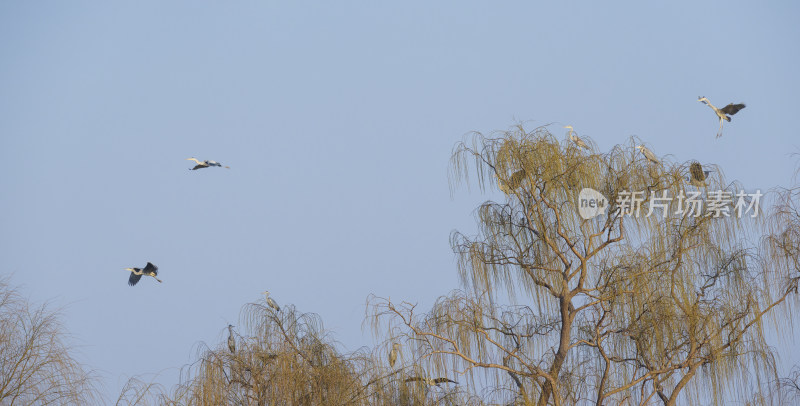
{"x": 443, "y": 380}
{"x": 274, "y": 304}
{"x": 649, "y": 154}
{"x": 150, "y": 268}
{"x": 696, "y": 170}
{"x": 732, "y": 109}
{"x": 200, "y": 166}
{"x": 134, "y": 279}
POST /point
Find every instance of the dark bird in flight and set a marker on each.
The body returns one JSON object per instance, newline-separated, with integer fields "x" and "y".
{"x": 430, "y": 381}
{"x": 204, "y": 164}
{"x": 136, "y": 273}
{"x": 724, "y": 113}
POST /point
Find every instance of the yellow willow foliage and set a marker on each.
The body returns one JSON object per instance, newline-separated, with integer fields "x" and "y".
{"x": 623, "y": 308}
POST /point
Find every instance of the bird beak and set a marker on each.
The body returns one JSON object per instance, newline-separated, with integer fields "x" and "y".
{"x": 128, "y": 269}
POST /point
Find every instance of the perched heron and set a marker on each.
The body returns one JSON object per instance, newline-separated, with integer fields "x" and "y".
{"x": 271, "y": 303}
{"x": 697, "y": 176}
{"x": 430, "y": 381}
{"x": 511, "y": 184}
{"x": 204, "y": 164}
{"x": 648, "y": 154}
{"x": 574, "y": 138}
{"x": 136, "y": 273}
{"x": 231, "y": 340}
{"x": 724, "y": 113}
{"x": 393, "y": 354}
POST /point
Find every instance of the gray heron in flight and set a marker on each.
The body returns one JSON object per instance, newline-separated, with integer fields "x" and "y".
{"x": 574, "y": 138}
{"x": 511, "y": 184}
{"x": 648, "y": 154}
{"x": 136, "y": 273}
{"x": 231, "y": 340}
{"x": 430, "y": 381}
{"x": 697, "y": 176}
{"x": 271, "y": 303}
{"x": 393, "y": 354}
{"x": 204, "y": 164}
{"x": 724, "y": 113}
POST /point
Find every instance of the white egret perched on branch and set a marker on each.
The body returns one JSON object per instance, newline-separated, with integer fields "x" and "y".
{"x": 724, "y": 113}
{"x": 204, "y": 164}
{"x": 393, "y": 354}
{"x": 697, "y": 176}
{"x": 136, "y": 273}
{"x": 430, "y": 381}
{"x": 648, "y": 154}
{"x": 231, "y": 340}
{"x": 574, "y": 138}
{"x": 271, "y": 303}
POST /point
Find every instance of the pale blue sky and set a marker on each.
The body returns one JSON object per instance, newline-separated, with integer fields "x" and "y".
{"x": 338, "y": 121}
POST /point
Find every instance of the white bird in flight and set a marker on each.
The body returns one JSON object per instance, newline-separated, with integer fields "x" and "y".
{"x": 724, "y": 113}
{"x": 204, "y": 164}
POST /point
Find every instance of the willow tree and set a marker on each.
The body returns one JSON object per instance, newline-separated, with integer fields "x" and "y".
{"x": 37, "y": 365}
{"x": 284, "y": 357}
{"x": 659, "y": 297}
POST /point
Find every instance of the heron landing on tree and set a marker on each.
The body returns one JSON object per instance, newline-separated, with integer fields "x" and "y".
{"x": 204, "y": 164}
{"x": 136, "y": 273}
{"x": 724, "y": 113}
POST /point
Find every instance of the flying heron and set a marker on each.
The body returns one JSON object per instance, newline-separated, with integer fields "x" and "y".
{"x": 430, "y": 381}
{"x": 697, "y": 176}
{"x": 512, "y": 183}
{"x": 204, "y": 164}
{"x": 393, "y": 354}
{"x": 136, "y": 273}
{"x": 724, "y": 113}
{"x": 648, "y": 154}
{"x": 574, "y": 138}
{"x": 271, "y": 303}
{"x": 231, "y": 340}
